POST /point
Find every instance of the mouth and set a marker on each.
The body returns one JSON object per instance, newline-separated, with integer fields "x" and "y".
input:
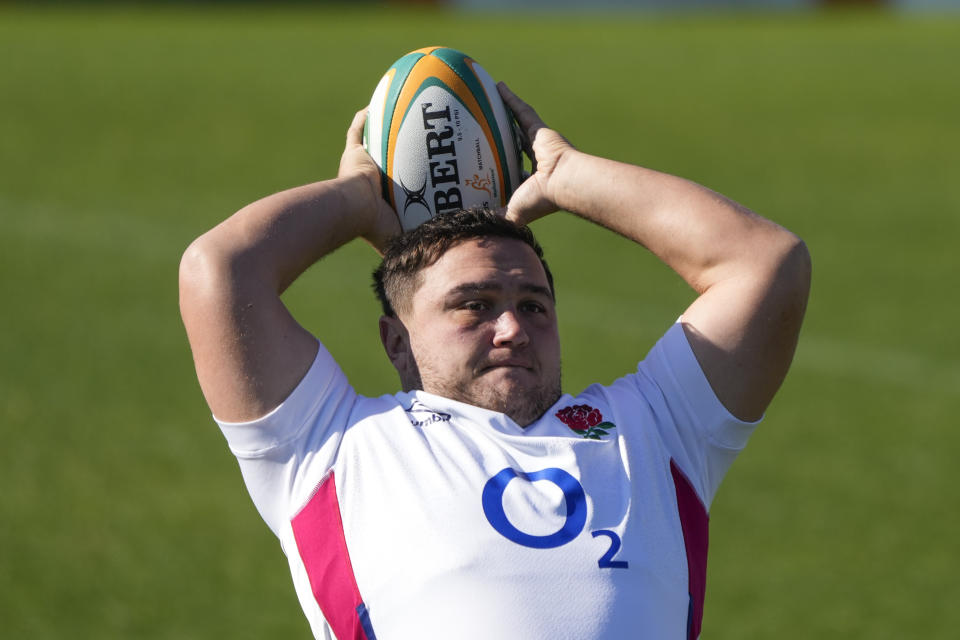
{"x": 506, "y": 365}
{"x": 507, "y": 360}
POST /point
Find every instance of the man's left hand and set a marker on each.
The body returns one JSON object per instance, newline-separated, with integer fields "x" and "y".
{"x": 547, "y": 149}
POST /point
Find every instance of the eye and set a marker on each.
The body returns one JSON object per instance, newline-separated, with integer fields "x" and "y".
{"x": 474, "y": 305}
{"x": 532, "y": 307}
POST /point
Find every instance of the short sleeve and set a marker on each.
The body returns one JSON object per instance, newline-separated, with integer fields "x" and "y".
{"x": 704, "y": 437}
{"x": 302, "y": 432}
{"x": 674, "y": 366}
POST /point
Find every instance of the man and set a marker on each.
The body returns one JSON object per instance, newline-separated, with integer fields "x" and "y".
{"x": 481, "y": 502}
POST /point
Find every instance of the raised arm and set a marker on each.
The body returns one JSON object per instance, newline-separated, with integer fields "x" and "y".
{"x": 752, "y": 276}
{"x": 248, "y": 350}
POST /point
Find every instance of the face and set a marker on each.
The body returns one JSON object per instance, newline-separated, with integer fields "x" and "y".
{"x": 482, "y": 329}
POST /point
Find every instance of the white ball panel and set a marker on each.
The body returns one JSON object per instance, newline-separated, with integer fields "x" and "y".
{"x": 375, "y": 118}
{"x": 504, "y": 124}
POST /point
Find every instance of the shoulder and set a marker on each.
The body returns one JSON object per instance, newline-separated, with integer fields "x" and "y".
{"x": 671, "y": 381}
{"x": 322, "y": 398}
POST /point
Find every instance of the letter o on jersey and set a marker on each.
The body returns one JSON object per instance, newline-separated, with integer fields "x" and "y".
{"x": 492, "y": 499}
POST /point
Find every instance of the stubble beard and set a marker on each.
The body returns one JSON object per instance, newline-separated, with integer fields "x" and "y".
{"x": 522, "y": 404}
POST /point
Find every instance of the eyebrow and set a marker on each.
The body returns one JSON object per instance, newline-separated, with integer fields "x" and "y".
{"x": 478, "y": 287}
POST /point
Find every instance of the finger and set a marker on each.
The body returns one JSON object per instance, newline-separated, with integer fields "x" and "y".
{"x": 355, "y": 132}
{"x": 514, "y": 211}
{"x": 515, "y": 205}
{"x": 522, "y": 139}
{"x": 529, "y": 121}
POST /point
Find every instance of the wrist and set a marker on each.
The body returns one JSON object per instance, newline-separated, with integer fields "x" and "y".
{"x": 564, "y": 188}
{"x": 360, "y": 201}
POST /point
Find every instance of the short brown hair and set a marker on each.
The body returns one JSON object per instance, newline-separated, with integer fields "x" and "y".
{"x": 397, "y": 277}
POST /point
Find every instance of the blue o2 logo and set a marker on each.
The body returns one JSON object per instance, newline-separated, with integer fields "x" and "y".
{"x": 576, "y": 501}
{"x": 572, "y": 493}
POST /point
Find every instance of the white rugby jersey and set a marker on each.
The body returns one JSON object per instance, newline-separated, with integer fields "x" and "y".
{"x": 413, "y": 516}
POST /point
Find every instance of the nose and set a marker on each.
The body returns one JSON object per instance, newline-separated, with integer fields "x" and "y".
{"x": 509, "y": 331}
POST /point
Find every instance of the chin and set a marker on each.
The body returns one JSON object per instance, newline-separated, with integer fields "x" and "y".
{"x": 511, "y": 392}
{"x": 522, "y": 404}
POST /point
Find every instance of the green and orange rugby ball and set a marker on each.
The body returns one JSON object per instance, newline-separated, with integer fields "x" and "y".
{"x": 442, "y": 136}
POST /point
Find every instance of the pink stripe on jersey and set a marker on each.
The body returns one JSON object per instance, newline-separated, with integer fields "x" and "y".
{"x": 318, "y": 530}
{"x": 695, "y": 523}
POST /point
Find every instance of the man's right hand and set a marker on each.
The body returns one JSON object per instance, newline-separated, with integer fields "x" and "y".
{"x": 356, "y": 162}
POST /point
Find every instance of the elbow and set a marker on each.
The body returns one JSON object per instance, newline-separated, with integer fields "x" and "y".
{"x": 216, "y": 271}
{"x": 793, "y": 274}
{"x": 201, "y": 275}
{"x": 800, "y": 264}
{"x": 194, "y": 266}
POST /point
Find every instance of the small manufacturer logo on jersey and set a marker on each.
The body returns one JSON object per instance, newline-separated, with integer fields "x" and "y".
{"x": 480, "y": 184}
{"x": 420, "y": 414}
{"x": 585, "y": 421}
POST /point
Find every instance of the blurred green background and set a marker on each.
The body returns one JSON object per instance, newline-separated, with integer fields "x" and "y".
{"x": 125, "y": 133}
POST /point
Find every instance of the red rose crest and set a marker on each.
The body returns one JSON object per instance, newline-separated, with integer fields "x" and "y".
{"x": 585, "y": 420}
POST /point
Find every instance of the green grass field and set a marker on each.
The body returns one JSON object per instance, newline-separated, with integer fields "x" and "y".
{"x": 124, "y": 134}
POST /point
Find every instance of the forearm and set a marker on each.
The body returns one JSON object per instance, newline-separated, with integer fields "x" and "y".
{"x": 248, "y": 350}
{"x": 270, "y": 242}
{"x": 700, "y": 234}
{"x": 753, "y": 276}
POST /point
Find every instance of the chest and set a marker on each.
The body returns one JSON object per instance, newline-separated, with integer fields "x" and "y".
{"x": 444, "y": 515}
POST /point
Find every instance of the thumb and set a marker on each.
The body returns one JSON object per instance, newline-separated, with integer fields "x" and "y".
{"x": 528, "y": 203}
{"x": 355, "y": 132}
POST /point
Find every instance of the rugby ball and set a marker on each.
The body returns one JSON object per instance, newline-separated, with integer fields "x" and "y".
{"x": 441, "y": 135}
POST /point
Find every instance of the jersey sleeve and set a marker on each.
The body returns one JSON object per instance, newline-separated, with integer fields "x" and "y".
{"x": 701, "y": 435}
{"x": 303, "y": 432}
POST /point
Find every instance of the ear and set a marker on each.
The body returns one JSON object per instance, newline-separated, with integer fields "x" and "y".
{"x": 396, "y": 342}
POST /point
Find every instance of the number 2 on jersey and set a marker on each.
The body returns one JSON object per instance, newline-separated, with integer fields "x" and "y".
{"x": 606, "y": 561}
